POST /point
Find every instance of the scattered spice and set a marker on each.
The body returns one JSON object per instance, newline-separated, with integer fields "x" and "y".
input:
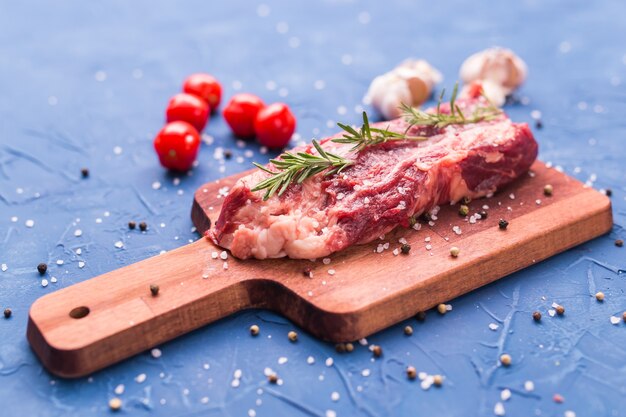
{"x": 560, "y": 310}
{"x": 228, "y": 153}
{"x": 143, "y": 226}
{"x": 437, "y": 380}
{"x": 154, "y": 290}
{"x": 442, "y": 309}
{"x": 547, "y": 190}
{"x": 483, "y": 215}
{"x": 538, "y": 124}
{"x": 608, "y": 192}
{"x": 408, "y": 330}
{"x": 84, "y": 172}
{"x": 463, "y": 210}
{"x": 272, "y": 378}
{"x": 411, "y": 372}
{"x": 42, "y": 268}
{"x": 307, "y": 272}
{"x": 619, "y": 243}
{"x": 132, "y": 225}
{"x": 293, "y": 336}
{"x": 600, "y": 296}
{"x": 503, "y": 224}
{"x": 454, "y": 251}
{"x": 115, "y": 404}
{"x": 624, "y": 316}
{"x": 421, "y": 316}
{"x": 558, "y": 398}
{"x": 537, "y": 316}
{"x": 377, "y": 351}
{"x": 8, "y": 312}
{"x": 466, "y": 200}
{"x": 505, "y": 359}
{"x": 340, "y": 347}
{"x": 254, "y": 330}
{"x": 349, "y": 347}
{"x": 405, "y": 248}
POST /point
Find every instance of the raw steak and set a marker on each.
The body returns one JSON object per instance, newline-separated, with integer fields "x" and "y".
{"x": 388, "y": 184}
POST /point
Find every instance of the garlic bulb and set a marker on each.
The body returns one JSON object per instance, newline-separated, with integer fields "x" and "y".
{"x": 410, "y": 83}
{"x": 498, "y": 69}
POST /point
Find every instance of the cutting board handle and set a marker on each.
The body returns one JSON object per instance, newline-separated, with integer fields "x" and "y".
{"x": 85, "y": 327}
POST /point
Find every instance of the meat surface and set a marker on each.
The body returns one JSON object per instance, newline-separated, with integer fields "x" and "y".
{"x": 388, "y": 184}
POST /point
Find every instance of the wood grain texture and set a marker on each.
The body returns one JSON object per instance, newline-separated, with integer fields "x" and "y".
{"x": 368, "y": 292}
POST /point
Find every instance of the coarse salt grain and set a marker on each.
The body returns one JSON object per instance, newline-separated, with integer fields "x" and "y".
{"x": 396, "y": 252}
{"x": 310, "y": 360}
{"x": 59, "y": 261}
{"x": 29, "y": 223}
{"x": 225, "y": 265}
{"x": 615, "y": 320}
{"x": 81, "y": 264}
{"x": 53, "y": 280}
{"x": 329, "y": 362}
{"x": 331, "y": 272}
{"x": 498, "y": 409}
{"x": 326, "y": 261}
{"x": 119, "y": 390}
{"x": 366, "y": 372}
{"x": 44, "y": 282}
{"x": 78, "y": 232}
{"x": 156, "y": 185}
{"x": 505, "y": 394}
{"x": 334, "y": 396}
{"x": 156, "y": 353}
{"x": 224, "y": 255}
{"x": 214, "y": 255}
{"x": 529, "y": 386}
{"x": 427, "y": 239}
{"x": 282, "y": 360}
{"x": 4, "y": 267}
{"x": 140, "y": 378}
{"x": 493, "y": 326}
{"x": 119, "y": 244}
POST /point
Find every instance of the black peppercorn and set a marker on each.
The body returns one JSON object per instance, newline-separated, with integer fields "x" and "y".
{"x": 405, "y": 248}
{"x": 538, "y": 124}
{"x": 272, "y": 378}
{"x": 421, "y": 316}
{"x": 608, "y": 192}
{"x": 84, "y": 172}
{"x": 503, "y": 224}
{"x": 228, "y": 153}
{"x": 132, "y": 225}
{"x": 42, "y": 268}
{"x": 340, "y": 347}
{"x": 154, "y": 290}
{"x": 536, "y": 316}
{"x": 7, "y": 313}
{"x": 619, "y": 243}
{"x": 377, "y": 351}
{"x": 307, "y": 272}
{"x": 483, "y": 215}
{"x": 466, "y": 200}
{"x": 143, "y": 226}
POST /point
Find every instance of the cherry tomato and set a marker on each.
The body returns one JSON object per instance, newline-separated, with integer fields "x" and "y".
{"x": 206, "y": 87}
{"x": 274, "y": 125}
{"x": 188, "y": 108}
{"x": 177, "y": 145}
{"x": 240, "y": 113}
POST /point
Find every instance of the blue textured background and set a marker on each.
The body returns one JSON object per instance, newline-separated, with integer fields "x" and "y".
{"x": 79, "y": 78}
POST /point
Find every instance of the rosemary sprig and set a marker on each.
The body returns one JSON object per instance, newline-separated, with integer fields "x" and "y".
{"x": 297, "y": 167}
{"x": 370, "y": 136}
{"x": 416, "y": 117}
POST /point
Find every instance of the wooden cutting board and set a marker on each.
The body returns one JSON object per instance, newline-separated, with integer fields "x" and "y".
{"x": 90, "y": 325}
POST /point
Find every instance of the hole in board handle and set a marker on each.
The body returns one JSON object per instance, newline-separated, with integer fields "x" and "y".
{"x": 79, "y": 312}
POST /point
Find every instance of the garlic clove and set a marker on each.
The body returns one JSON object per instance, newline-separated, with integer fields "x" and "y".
{"x": 499, "y": 66}
{"x": 410, "y": 83}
